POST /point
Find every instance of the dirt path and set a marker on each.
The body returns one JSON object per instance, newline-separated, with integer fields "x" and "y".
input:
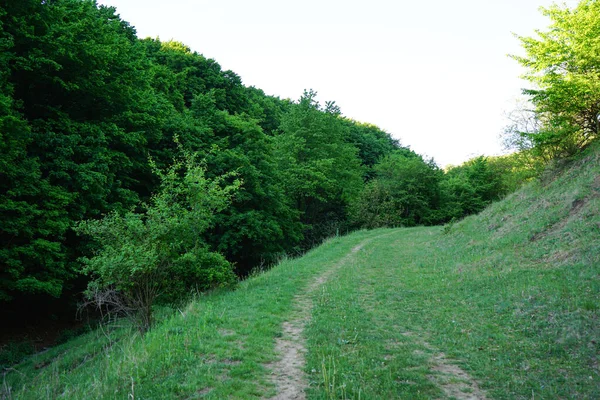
{"x": 452, "y": 379}
{"x": 288, "y": 374}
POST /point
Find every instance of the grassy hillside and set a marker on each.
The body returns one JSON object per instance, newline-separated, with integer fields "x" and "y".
{"x": 502, "y": 305}
{"x": 511, "y": 296}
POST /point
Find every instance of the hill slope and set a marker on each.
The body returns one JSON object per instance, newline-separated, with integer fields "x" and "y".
{"x": 510, "y": 296}
{"x": 502, "y": 305}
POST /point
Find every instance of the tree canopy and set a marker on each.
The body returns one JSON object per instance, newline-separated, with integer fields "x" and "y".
{"x": 563, "y": 64}
{"x": 85, "y": 105}
{"x": 89, "y": 113}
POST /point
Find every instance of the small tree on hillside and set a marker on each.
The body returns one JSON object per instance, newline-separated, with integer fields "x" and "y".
{"x": 158, "y": 253}
{"x": 562, "y": 63}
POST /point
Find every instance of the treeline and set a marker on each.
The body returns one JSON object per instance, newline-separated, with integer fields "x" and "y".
{"x": 86, "y": 105}
{"x": 93, "y": 121}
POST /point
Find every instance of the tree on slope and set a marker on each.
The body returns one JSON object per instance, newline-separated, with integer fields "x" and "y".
{"x": 564, "y": 65}
{"x": 77, "y": 121}
{"x": 470, "y": 187}
{"x": 373, "y": 144}
{"x": 220, "y": 118}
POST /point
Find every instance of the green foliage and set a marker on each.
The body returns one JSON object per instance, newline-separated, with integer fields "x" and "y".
{"x": 73, "y": 134}
{"x": 14, "y": 352}
{"x": 507, "y": 299}
{"x": 223, "y": 120}
{"x": 407, "y": 190}
{"x": 260, "y": 224}
{"x": 372, "y": 143}
{"x": 159, "y": 252}
{"x": 33, "y": 214}
{"x": 562, "y": 63}
{"x": 515, "y": 170}
{"x": 320, "y": 170}
{"x": 469, "y": 188}
{"x": 84, "y": 103}
{"x": 219, "y": 343}
{"x": 404, "y": 192}
{"x": 267, "y": 110}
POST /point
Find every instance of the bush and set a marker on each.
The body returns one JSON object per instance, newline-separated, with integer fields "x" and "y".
{"x": 158, "y": 253}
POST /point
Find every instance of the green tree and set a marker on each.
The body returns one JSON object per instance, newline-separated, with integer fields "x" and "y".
{"x": 514, "y": 170}
{"x": 260, "y": 224}
{"x": 470, "y": 187}
{"x": 320, "y": 170}
{"x": 562, "y": 63}
{"x": 404, "y": 192}
{"x": 158, "y": 252}
{"x": 372, "y": 143}
{"x": 217, "y": 116}
{"x": 81, "y": 118}
{"x": 32, "y": 212}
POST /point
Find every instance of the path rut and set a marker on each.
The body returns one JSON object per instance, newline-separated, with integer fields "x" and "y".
{"x": 288, "y": 372}
{"x": 455, "y": 382}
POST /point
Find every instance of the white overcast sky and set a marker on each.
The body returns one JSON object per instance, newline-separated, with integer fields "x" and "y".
{"x": 435, "y": 74}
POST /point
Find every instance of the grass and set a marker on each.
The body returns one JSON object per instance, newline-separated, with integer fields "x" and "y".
{"x": 510, "y": 296}
{"x": 217, "y": 347}
{"x": 355, "y": 349}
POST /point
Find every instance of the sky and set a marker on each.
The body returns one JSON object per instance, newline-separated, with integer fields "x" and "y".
{"x": 435, "y": 74}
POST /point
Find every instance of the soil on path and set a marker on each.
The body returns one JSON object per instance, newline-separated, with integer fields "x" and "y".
{"x": 288, "y": 372}
{"x": 455, "y": 382}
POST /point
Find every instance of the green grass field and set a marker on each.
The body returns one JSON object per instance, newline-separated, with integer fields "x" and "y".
{"x": 502, "y": 305}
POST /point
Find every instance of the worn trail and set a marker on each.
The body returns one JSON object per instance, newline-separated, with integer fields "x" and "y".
{"x": 455, "y": 382}
{"x": 288, "y": 372}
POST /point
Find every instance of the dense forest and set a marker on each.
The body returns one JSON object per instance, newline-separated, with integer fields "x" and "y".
{"x": 135, "y": 165}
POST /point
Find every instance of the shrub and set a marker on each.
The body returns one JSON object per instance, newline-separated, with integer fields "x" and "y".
{"x": 158, "y": 253}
